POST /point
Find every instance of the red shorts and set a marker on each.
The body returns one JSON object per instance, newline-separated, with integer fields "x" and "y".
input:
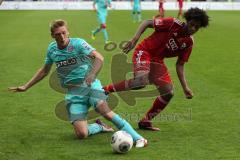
{"x": 158, "y": 72}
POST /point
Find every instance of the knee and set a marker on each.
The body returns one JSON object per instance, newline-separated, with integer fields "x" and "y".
{"x": 138, "y": 83}
{"x": 143, "y": 80}
{"x": 82, "y": 134}
{"x": 167, "y": 97}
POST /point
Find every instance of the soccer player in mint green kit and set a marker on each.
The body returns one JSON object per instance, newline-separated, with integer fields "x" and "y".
{"x": 136, "y": 12}
{"x": 77, "y": 65}
{"x": 102, "y": 13}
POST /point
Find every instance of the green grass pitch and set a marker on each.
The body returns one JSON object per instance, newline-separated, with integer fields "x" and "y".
{"x": 206, "y": 127}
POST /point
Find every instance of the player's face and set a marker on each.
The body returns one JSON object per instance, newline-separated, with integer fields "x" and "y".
{"x": 61, "y": 34}
{"x": 193, "y": 26}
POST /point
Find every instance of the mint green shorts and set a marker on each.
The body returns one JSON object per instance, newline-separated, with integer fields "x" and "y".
{"x": 102, "y": 17}
{"x": 80, "y": 99}
{"x": 136, "y": 8}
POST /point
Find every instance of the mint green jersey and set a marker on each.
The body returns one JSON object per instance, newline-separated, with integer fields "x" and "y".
{"x": 102, "y": 5}
{"x": 72, "y": 62}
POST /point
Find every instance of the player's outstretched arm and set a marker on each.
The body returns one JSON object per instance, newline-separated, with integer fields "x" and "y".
{"x": 40, "y": 74}
{"x": 181, "y": 76}
{"x": 97, "y": 65}
{"x": 142, "y": 27}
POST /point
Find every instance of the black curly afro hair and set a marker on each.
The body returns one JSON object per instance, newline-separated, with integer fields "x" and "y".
{"x": 198, "y": 15}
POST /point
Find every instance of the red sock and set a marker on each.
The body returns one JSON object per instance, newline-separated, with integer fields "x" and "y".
{"x": 121, "y": 86}
{"x": 124, "y": 85}
{"x": 158, "y": 105}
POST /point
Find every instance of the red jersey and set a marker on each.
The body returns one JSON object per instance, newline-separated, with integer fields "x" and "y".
{"x": 168, "y": 40}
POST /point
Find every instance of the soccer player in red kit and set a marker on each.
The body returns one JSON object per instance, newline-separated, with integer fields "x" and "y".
{"x": 171, "y": 38}
{"x": 180, "y": 6}
{"x": 160, "y": 8}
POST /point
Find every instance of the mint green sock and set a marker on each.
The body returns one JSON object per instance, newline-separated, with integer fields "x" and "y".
{"x": 105, "y": 34}
{"x": 96, "y": 31}
{"x": 134, "y": 17}
{"x": 139, "y": 17}
{"x": 125, "y": 126}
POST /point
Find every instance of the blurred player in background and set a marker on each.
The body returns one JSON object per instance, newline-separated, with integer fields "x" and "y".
{"x": 102, "y": 12}
{"x": 180, "y": 6}
{"x": 77, "y": 66}
{"x": 171, "y": 38}
{"x": 136, "y": 11}
{"x": 161, "y": 8}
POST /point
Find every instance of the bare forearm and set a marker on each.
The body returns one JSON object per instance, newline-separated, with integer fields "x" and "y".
{"x": 97, "y": 65}
{"x": 144, "y": 25}
{"x": 40, "y": 74}
{"x": 181, "y": 75}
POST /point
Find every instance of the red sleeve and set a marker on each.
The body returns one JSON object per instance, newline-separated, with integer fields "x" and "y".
{"x": 162, "y": 24}
{"x": 185, "y": 54}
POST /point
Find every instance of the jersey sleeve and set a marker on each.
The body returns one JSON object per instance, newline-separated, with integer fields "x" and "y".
{"x": 186, "y": 52}
{"x": 84, "y": 47}
{"x": 48, "y": 59}
{"x": 162, "y": 24}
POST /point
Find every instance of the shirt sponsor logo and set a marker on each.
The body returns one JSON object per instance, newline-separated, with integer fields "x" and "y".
{"x": 173, "y": 44}
{"x": 67, "y": 62}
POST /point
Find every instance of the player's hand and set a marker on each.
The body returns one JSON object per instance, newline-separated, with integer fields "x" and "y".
{"x": 129, "y": 46}
{"x": 89, "y": 79}
{"x": 188, "y": 93}
{"x": 18, "y": 89}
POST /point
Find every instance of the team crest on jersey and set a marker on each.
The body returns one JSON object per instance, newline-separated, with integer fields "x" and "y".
{"x": 183, "y": 46}
{"x": 70, "y": 48}
{"x": 158, "y": 22}
{"x": 173, "y": 44}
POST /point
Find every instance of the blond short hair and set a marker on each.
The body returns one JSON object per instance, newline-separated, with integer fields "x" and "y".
{"x": 57, "y": 23}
